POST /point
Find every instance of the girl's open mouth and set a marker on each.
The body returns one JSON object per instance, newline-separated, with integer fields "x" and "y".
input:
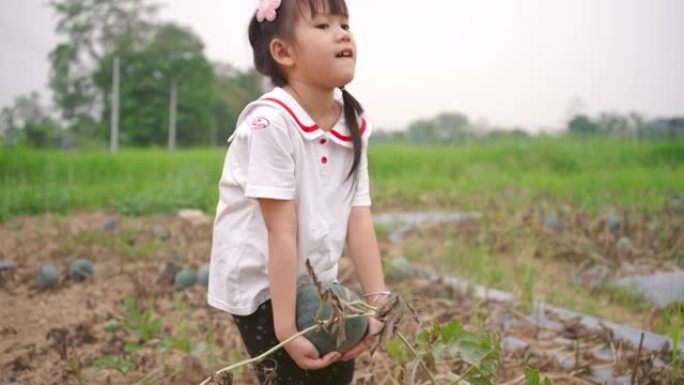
{"x": 345, "y": 53}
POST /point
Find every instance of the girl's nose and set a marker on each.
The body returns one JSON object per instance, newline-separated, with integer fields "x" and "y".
{"x": 343, "y": 34}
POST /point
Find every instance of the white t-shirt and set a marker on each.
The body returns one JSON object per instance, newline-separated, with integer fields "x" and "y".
{"x": 278, "y": 152}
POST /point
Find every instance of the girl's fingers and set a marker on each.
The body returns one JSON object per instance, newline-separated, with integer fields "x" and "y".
{"x": 374, "y": 327}
{"x": 355, "y": 351}
{"x": 322, "y": 362}
{"x": 361, "y": 347}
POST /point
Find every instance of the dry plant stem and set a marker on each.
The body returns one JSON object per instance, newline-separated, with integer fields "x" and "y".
{"x": 276, "y": 347}
{"x": 146, "y": 378}
{"x": 462, "y": 376}
{"x": 572, "y": 375}
{"x": 415, "y": 355}
{"x": 363, "y": 306}
{"x": 444, "y": 377}
{"x": 150, "y": 377}
{"x": 636, "y": 367}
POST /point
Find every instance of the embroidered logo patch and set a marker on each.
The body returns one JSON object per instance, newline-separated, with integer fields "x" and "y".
{"x": 260, "y": 122}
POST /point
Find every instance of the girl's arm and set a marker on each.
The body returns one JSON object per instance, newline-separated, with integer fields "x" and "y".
{"x": 281, "y": 224}
{"x": 365, "y": 254}
{"x": 364, "y": 251}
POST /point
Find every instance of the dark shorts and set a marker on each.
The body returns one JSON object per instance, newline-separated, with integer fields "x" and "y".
{"x": 258, "y": 334}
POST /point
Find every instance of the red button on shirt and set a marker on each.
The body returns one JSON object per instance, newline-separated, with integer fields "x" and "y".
{"x": 324, "y": 160}
{"x": 323, "y": 141}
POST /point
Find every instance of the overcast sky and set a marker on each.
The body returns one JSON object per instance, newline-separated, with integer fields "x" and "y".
{"x": 509, "y": 62}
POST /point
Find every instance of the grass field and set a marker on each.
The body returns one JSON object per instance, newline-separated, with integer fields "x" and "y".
{"x": 592, "y": 174}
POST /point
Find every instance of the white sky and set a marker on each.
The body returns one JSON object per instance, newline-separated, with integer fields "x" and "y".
{"x": 511, "y": 62}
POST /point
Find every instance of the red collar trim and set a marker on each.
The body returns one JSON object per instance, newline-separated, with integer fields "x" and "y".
{"x": 315, "y": 127}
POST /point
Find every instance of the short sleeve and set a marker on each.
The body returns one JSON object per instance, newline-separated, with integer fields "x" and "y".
{"x": 271, "y": 166}
{"x": 362, "y": 196}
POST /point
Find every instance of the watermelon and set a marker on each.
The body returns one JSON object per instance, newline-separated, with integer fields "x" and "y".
{"x": 614, "y": 223}
{"x": 185, "y": 278}
{"x": 624, "y": 243}
{"x": 111, "y": 326}
{"x": 81, "y": 269}
{"x": 203, "y": 275}
{"x": 47, "y": 276}
{"x": 398, "y": 269}
{"x": 307, "y": 306}
{"x": 110, "y": 223}
{"x": 553, "y": 222}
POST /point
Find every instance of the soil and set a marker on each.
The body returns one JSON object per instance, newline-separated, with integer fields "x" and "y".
{"x": 59, "y": 335}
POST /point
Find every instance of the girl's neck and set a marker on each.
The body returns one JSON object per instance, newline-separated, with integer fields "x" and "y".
{"x": 319, "y": 103}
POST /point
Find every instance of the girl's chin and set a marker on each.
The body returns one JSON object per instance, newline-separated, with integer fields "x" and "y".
{"x": 344, "y": 80}
{"x": 335, "y": 81}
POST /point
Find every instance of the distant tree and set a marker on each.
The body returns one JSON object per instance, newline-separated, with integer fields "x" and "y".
{"x": 582, "y": 124}
{"x": 8, "y": 129}
{"x": 444, "y": 128}
{"x": 452, "y": 126}
{"x": 612, "y": 123}
{"x": 576, "y": 107}
{"x": 174, "y": 54}
{"x": 421, "y": 131}
{"x": 28, "y": 120}
{"x": 94, "y": 29}
{"x": 635, "y": 124}
{"x": 670, "y": 128}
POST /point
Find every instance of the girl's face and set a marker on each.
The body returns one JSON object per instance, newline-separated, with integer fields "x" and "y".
{"x": 324, "y": 50}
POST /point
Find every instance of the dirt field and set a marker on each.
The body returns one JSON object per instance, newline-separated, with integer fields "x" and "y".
{"x": 59, "y": 335}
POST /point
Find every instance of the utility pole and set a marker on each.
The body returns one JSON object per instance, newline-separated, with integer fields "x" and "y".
{"x": 212, "y": 135}
{"x": 172, "y": 114}
{"x": 114, "y": 135}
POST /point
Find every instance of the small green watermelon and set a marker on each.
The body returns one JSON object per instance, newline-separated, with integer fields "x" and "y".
{"x": 553, "y": 222}
{"x": 47, "y": 276}
{"x": 111, "y": 326}
{"x": 624, "y": 243}
{"x": 308, "y": 301}
{"x": 398, "y": 269}
{"x": 110, "y": 223}
{"x": 614, "y": 223}
{"x": 203, "y": 275}
{"x": 185, "y": 278}
{"x": 81, "y": 269}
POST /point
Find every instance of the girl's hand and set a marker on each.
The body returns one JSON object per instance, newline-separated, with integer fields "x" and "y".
{"x": 374, "y": 327}
{"x": 306, "y": 356}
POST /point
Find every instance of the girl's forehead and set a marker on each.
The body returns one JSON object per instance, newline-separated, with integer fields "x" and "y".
{"x": 313, "y": 8}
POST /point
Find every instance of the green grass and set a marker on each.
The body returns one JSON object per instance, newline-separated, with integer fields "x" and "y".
{"x": 590, "y": 173}
{"x": 131, "y": 181}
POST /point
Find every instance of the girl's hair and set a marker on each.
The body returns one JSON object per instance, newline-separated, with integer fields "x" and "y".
{"x": 261, "y": 34}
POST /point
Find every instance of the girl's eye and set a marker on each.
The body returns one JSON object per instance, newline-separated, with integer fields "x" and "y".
{"x": 322, "y": 26}
{"x": 345, "y": 27}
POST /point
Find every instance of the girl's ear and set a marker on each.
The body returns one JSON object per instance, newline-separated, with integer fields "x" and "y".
{"x": 282, "y": 52}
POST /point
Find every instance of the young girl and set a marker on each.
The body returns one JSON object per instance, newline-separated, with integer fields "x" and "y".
{"x": 295, "y": 187}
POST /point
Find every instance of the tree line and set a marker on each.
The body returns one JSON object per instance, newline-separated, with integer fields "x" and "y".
{"x": 154, "y": 58}
{"x": 165, "y": 87}
{"x": 454, "y": 127}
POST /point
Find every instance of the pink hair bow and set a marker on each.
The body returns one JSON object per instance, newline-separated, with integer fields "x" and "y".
{"x": 267, "y": 10}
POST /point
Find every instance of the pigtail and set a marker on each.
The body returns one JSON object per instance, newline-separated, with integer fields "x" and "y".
{"x": 352, "y": 111}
